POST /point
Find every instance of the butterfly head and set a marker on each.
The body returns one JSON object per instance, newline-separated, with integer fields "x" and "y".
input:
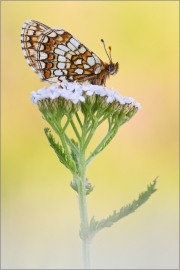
{"x": 112, "y": 68}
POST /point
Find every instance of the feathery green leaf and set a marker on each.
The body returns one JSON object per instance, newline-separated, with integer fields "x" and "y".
{"x": 96, "y": 226}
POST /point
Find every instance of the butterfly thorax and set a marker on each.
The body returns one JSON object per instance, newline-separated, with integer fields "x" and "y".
{"x": 106, "y": 71}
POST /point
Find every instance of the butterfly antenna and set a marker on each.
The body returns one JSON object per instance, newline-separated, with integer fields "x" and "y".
{"x": 110, "y": 52}
{"x": 102, "y": 40}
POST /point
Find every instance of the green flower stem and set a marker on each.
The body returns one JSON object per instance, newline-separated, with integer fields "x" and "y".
{"x": 94, "y": 126}
{"x": 92, "y": 118}
{"x": 79, "y": 120}
{"x": 71, "y": 145}
{"x": 105, "y": 141}
{"x": 60, "y": 131}
{"x": 84, "y": 133}
{"x": 89, "y": 125}
{"x": 66, "y": 124}
{"x": 84, "y": 222}
{"x": 81, "y": 180}
{"x": 104, "y": 118}
{"x": 75, "y": 130}
{"x": 102, "y": 144}
{"x": 109, "y": 124}
{"x": 57, "y": 128}
{"x": 86, "y": 254}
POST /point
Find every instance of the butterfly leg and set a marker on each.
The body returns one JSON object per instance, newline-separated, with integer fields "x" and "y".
{"x": 102, "y": 78}
{"x": 91, "y": 79}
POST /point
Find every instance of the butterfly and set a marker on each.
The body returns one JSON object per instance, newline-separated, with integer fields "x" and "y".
{"x": 55, "y": 55}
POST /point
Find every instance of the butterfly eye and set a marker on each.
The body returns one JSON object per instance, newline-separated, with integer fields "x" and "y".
{"x": 111, "y": 68}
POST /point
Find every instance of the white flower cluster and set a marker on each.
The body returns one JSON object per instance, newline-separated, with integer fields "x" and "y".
{"x": 74, "y": 93}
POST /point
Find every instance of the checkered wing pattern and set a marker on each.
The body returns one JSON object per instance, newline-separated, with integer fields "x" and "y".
{"x": 31, "y": 30}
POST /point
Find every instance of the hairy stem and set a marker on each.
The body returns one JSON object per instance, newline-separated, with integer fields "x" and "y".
{"x": 80, "y": 179}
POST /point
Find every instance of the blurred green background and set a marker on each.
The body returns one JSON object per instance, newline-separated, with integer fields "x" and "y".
{"x": 40, "y": 219}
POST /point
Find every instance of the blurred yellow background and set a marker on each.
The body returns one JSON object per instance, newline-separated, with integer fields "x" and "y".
{"x": 40, "y": 219}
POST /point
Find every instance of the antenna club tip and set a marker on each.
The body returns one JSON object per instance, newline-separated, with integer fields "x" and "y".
{"x": 109, "y": 48}
{"x": 102, "y": 40}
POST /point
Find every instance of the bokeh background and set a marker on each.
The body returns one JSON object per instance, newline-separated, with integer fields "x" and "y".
{"x": 40, "y": 219}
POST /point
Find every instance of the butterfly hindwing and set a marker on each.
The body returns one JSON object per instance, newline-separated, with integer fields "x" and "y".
{"x": 60, "y": 56}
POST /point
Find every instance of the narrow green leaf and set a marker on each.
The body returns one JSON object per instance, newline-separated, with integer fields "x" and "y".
{"x": 74, "y": 185}
{"x": 88, "y": 191}
{"x": 64, "y": 159}
{"x": 96, "y": 226}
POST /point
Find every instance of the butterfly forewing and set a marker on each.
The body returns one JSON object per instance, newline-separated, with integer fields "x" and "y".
{"x": 31, "y": 30}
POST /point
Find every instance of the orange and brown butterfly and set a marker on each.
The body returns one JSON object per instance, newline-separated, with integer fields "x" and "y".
{"x": 55, "y": 55}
